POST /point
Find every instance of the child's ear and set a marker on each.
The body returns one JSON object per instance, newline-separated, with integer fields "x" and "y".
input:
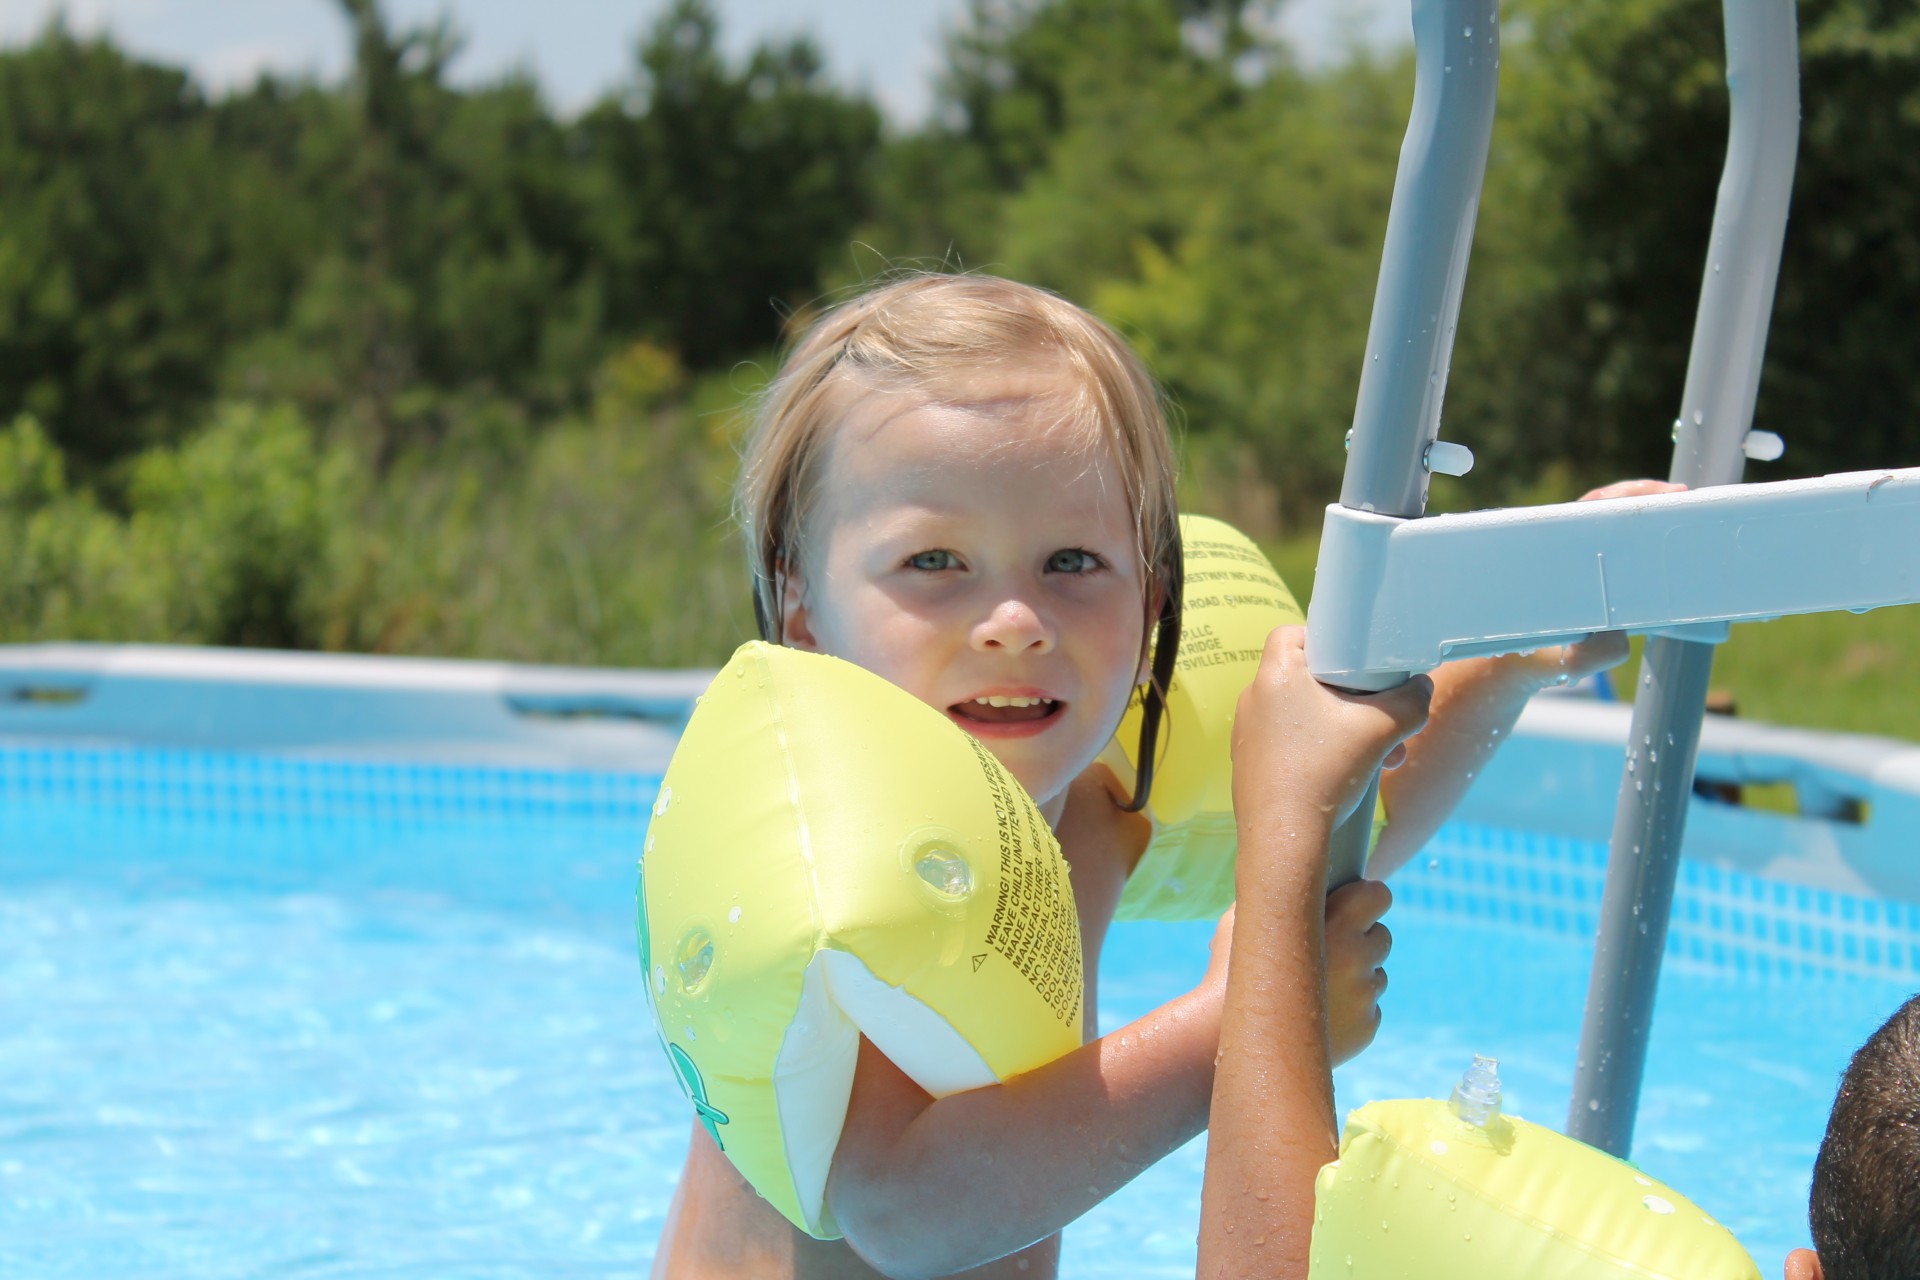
{"x": 796, "y": 626}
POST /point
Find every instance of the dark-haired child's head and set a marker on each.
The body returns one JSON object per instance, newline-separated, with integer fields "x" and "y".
{"x": 1865, "y": 1207}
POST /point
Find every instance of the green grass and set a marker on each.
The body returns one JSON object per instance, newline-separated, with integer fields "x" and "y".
{"x": 1839, "y": 671}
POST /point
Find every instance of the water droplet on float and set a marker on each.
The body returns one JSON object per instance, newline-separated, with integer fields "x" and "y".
{"x": 733, "y": 916}
{"x": 945, "y": 870}
{"x": 695, "y": 960}
{"x": 666, "y": 798}
{"x": 1657, "y": 1204}
{"x": 659, "y": 979}
{"x": 691, "y": 1034}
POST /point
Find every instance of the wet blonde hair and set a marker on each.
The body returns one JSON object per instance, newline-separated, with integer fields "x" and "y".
{"x": 932, "y": 331}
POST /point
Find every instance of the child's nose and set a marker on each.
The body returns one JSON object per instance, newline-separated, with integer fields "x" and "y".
{"x": 1014, "y": 624}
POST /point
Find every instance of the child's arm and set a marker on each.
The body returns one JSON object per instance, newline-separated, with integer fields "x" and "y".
{"x": 1273, "y": 1122}
{"x": 1475, "y": 704}
{"x": 924, "y": 1187}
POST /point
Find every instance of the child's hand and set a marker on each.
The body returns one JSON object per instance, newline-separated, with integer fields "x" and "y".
{"x": 1357, "y": 947}
{"x": 1632, "y": 489}
{"x": 1297, "y": 742}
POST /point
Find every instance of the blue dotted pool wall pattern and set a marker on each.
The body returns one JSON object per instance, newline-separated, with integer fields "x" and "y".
{"x": 245, "y": 788}
{"x": 1723, "y": 918}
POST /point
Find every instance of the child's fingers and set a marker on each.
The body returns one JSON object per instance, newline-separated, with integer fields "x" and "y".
{"x": 1358, "y": 904}
{"x": 1598, "y": 652}
{"x": 1354, "y": 914}
{"x": 1406, "y": 707}
{"x": 1410, "y": 703}
{"x": 1358, "y": 944}
{"x": 1631, "y": 489}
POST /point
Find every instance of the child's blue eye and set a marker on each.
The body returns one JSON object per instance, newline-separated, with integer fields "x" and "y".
{"x": 932, "y": 561}
{"x": 1072, "y": 560}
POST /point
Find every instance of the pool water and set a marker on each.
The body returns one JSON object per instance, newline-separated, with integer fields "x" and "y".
{"x": 271, "y": 1016}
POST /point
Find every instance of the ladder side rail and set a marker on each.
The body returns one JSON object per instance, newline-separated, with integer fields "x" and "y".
{"x": 1723, "y": 378}
{"x": 1416, "y": 305}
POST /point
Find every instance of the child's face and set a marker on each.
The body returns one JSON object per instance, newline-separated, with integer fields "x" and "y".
{"x": 965, "y": 551}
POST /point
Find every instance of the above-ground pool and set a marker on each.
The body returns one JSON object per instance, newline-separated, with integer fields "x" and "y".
{"x": 300, "y": 1018}
{"x": 290, "y": 1015}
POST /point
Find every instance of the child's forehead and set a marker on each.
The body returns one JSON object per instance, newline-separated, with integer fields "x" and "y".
{"x": 1036, "y": 403}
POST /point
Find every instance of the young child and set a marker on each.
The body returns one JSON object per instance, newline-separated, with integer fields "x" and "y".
{"x": 1864, "y": 1209}
{"x": 966, "y": 485}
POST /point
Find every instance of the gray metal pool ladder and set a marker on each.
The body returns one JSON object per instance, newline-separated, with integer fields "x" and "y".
{"x": 1397, "y": 591}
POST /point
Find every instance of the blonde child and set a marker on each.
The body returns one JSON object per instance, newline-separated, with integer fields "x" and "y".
{"x": 965, "y": 485}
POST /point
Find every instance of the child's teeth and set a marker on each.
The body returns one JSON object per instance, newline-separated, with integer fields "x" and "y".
{"x": 1002, "y": 700}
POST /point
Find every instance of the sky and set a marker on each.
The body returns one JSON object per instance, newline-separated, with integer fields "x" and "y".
{"x": 577, "y": 49}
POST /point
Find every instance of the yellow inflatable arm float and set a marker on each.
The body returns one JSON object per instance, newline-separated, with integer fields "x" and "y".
{"x": 830, "y": 857}
{"x": 1234, "y": 599}
{"x": 1421, "y": 1193}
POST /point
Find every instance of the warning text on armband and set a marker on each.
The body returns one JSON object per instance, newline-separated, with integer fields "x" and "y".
{"x": 1034, "y": 924}
{"x": 1259, "y": 579}
{"x": 1212, "y": 549}
{"x": 1218, "y": 658}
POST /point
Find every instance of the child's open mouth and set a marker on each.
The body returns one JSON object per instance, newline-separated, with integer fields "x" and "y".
{"x": 996, "y": 710}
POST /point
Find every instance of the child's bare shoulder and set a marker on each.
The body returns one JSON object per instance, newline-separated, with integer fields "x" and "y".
{"x": 1100, "y": 840}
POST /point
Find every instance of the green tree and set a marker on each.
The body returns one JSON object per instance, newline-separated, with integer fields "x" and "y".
{"x": 1024, "y": 81}
{"x": 119, "y": 246}
{"x": 723, "y": 190}
{"x": 1630, "y": 115}
{"x": 455, "y": 267}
